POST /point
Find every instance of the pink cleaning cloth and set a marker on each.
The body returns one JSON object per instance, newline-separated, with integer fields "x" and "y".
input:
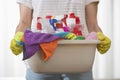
{"x": 91, "y": 36}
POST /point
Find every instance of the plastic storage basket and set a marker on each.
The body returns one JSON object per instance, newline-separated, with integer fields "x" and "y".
{"x": 71, "y": 56}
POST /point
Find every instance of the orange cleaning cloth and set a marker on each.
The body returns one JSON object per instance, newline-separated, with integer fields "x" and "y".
{"x": 48, "y": 49}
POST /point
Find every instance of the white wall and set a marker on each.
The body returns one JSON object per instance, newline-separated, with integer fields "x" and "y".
{"x": 10, "y": 65}
{"x": 116, "y": 26}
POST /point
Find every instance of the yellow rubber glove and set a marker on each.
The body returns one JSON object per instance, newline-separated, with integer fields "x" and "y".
{"x": 16, "y": 43}
{"x": 15, "y": 48}
{"x": 71, "y": 36}
{"x": 105, "y": 44}
{"x": 18, "y": 36}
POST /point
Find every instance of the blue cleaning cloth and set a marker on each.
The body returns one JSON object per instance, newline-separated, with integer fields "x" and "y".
{"x": 61, "y": 34}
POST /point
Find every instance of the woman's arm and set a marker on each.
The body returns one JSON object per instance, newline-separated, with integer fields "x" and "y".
{"x": 91, "y": 20}
{"x": 91, "y": 17}
{"x": 25, "y": 18}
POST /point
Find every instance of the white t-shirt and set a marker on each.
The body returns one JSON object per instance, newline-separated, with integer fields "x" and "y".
{"x": 41, "y": 8}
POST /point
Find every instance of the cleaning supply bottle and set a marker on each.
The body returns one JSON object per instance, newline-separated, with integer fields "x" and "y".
{"x": 59, "y": 27}
{"x": 77, "y": 29}
{"x": 39, "y": 25}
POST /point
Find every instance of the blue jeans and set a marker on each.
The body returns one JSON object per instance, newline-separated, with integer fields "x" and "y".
{"x": 30, "y": 75}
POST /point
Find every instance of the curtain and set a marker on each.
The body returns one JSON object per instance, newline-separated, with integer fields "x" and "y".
{"x": 106, "y": 66}
{"x": 116, "y": 38}
{"x": 10, "y": 65}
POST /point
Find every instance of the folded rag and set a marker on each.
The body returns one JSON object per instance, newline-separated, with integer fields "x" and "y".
{"x": 66, "y": 35}
{"x": 32, "y": 41}
{"x": 48, "y": 49}
{"x": 91, "y": 36}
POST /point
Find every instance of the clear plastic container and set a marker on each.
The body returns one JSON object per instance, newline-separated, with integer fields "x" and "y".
{"x": 71, "y": 56}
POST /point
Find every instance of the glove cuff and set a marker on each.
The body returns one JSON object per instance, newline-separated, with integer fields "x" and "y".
{"x": 18, "y": 36}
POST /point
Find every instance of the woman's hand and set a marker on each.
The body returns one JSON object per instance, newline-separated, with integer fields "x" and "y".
{"x": 105, "y": 44}
{"x": 16, "y": 44}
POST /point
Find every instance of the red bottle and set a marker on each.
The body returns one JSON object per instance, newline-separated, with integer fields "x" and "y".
{"x": 39, "y": 25}
{"x": 77, "y": 29}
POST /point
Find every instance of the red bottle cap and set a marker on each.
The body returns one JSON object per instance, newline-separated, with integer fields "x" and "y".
{"x": 48, "y": 17}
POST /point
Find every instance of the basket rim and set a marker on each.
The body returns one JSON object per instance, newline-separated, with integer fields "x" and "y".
{"x": 79, "y": 41}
